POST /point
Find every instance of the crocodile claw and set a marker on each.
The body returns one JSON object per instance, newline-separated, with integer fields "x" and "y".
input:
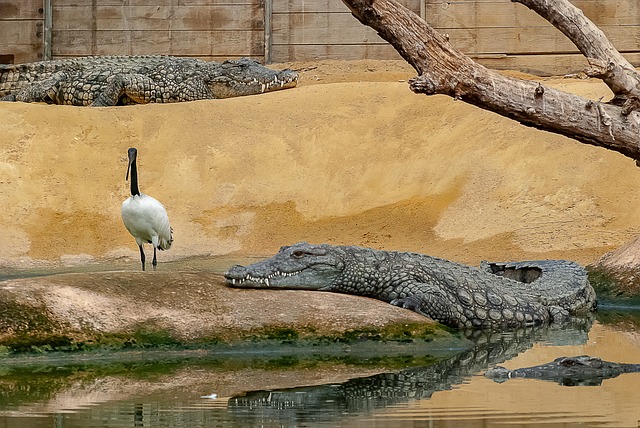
{"x": 410, "y": 302}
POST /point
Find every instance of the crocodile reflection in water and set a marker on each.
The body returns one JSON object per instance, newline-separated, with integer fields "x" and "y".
{"x": 382, "y": 390}
{"x": 581, "y": 370}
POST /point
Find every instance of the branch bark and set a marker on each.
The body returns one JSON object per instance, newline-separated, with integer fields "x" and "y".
{"x": 445, "y": 70}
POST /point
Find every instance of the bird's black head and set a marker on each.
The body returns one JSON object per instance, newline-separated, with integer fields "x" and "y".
{"x": 133, "y": 154}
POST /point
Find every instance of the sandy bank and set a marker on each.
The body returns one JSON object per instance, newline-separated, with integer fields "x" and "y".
{"x": 349, "y": 157}
{"x": 136, "y": 309}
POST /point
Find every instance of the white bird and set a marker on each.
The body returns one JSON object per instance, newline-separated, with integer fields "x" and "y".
{"x": 210, "y": 396}
{"x": 144, "y": 217}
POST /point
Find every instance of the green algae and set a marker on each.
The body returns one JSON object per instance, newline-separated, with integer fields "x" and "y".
{"x": 151, "y": 336}
{"x": 395, "y": 332}
{"x": 279, "y": 334}
{"x": 403, "y": 332}
{"x": 618, "y": 286}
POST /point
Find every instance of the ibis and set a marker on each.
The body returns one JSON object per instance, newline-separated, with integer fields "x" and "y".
{"x": 144, "y": 217}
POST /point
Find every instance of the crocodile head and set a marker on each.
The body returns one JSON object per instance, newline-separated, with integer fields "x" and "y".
{"x": 568, "y": 371}
{"x": 244, "y": 76}
{"x": 302, "y": 266}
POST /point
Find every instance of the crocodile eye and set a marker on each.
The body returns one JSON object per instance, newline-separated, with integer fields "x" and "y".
{"x": 298, "y": 254}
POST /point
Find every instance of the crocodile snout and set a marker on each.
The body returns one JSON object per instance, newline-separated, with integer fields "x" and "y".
{"x": 235, "y": 272}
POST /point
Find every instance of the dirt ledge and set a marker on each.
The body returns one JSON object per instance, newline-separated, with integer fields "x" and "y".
{"x": 82, "y": 311}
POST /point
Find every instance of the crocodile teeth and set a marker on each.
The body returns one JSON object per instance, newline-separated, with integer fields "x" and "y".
{"x": 262, "y": 279}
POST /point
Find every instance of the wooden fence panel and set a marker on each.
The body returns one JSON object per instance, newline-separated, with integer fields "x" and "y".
{"x": 503, "y": 13}
{"x": 153, "y": 18}
{"x": 502, "y": 34}
{"x": 211, "y": 45}
{"x": 323, "y": 6}
{"x": 498, "y": 33}
{"x": 338, "y": 52}
{"x": 325, "y": 29}
{"x": 494, "y": 31}
{"x": 320, "y": 28}
{"x": 533, "y": 40}
{"x": 209, "y": 29}
{"x": 21, "y": 30}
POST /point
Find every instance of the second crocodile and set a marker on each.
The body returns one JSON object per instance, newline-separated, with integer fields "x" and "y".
{"x": 123, "y": 80}
{"x": 496, "y": 295}
{"x": 580, "y": 370}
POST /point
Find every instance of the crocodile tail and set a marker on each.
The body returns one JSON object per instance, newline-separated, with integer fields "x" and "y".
{"x": 14, "y": 77}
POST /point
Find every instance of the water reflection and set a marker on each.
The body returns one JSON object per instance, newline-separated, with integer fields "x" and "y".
{"x": 216, "y": 265}
{"x": 264, "y": 391}
{"x": 392, "y": 388}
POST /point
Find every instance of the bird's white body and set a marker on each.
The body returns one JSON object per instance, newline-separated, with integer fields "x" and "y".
{"x": 144, "y": 217}
{"x": 147, "y": 220}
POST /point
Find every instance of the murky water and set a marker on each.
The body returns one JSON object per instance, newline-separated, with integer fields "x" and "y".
{"x": 439, "y": 389}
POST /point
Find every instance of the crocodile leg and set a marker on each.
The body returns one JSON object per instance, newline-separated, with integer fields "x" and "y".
{"x": 475, "y": 308}
{"x": 559, "y": 314}
{"x": 47, "y": 90}
{"x": 138, "y": 88}
{"x": 432, "y": 303}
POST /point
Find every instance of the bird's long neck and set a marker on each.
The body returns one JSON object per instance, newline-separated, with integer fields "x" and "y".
{"x": 134, "y": 179}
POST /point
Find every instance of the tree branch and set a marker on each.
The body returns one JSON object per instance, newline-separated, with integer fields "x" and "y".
{"x": 445, "y": 70}
{"x": 570, "y": 20}
{"x": 605, "y": 61}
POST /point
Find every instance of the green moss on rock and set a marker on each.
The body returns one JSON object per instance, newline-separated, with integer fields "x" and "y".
{"x": 622, "y": 284}
{"x": 278, "y": 334}
{"x": 400, "y": 332}
{"x": 41, "y": 339}
{"x": 33, "y": 329}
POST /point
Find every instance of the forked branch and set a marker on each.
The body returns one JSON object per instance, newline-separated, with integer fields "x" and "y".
{"x": 445, "y": 70}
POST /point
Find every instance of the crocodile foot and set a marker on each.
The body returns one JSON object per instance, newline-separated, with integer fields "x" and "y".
{"x": 410, "y": 302}
{"x": 559, "y": 314}
{"x": 432, "y": 306}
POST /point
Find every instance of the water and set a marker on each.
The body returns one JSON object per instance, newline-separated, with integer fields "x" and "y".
{"x": 194, "y": 264}
{"x": 315, "y": 389}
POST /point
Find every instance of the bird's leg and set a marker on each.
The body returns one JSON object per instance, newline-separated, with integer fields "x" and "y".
{"x": 155, "y": 261}
{"x": 142, "y": 256}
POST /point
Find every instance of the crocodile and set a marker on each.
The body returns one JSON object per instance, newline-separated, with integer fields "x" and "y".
{"x": 495, "y": 295}
{"x": 580, "y": 370}
{"x": 124, "y": 80}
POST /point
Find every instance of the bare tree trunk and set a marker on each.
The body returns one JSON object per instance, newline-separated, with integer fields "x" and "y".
{"x": 444, "y": 70}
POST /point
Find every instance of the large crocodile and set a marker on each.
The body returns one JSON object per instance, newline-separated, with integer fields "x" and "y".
{"x": 497, "y": 295}
{"x": 569, "y": 371}
{"x": 116, "y": 80}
